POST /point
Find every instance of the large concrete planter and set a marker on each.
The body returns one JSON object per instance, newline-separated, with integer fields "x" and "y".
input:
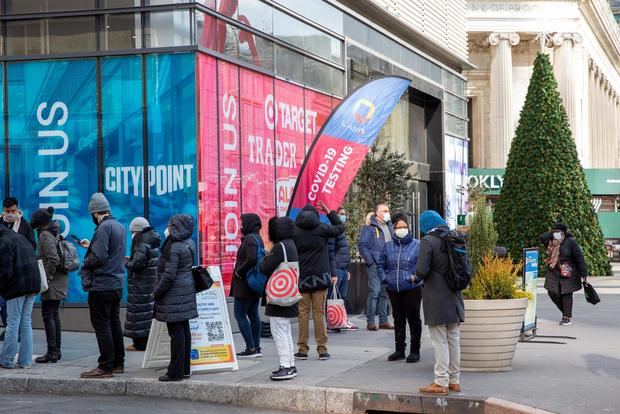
{"x": 490, "y": 334}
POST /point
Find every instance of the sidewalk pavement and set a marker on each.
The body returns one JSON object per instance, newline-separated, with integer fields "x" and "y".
{"x": 575, "y": 377}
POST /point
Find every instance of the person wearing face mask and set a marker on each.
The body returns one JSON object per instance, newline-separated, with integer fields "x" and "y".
{"x": 566, "y": 267}
{"x": 141, "y": 281}
{"x": 103, "y": 272}
{"x": 397, "y": 269}
{"x": 373, "y": 237}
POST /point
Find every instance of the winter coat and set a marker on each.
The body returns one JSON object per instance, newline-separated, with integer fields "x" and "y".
{"x": 441, "y": 304}
{"x": 175, "y": 293}
{"x": 247, "y": 256}
{"x": 372, "y": 241}
{"x": 57, "y": 279}
{"x": 339, "y": 253}
{"x": 19, "y": 271}
{"x": 281, "y": 231}
{"x": 105, "y": 257}
{"x": 570, "y": 252}
{"x": 24, "y": 229}
{"x": 398, "y": 262}
{"x": 141, "y": 282}
{"x": 311, "y": 239}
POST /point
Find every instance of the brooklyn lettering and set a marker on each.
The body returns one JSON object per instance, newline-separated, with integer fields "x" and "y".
{"x": 162, "y": 179}
{"x": 230, "y": 143}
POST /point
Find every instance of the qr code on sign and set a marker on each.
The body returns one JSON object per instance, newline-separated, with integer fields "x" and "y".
{"x": 215, "y": 331}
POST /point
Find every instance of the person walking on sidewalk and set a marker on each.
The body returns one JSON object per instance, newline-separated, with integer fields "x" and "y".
{"x": 566, "y": 268}
{"x": 444, "y": 309}
{"x": 283, "y": 248}
{"x": 246, "y": 300}
{"x": 103, "y": 273}
{"x": 19, "y": 284}
{"x": 373, "y": 237}
{"x": 141, "y": 281}
{"x": 396, "y": 269}
{"x": 311, "y": 239}
{"x": 175, "y": 294}
{"x": 57, "y": 280}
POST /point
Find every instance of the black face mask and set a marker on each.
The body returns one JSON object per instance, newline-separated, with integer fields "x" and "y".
{"x": 94, "y": 217}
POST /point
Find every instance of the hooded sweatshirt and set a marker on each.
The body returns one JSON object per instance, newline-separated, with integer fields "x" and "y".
{"x": 247, "y": 256}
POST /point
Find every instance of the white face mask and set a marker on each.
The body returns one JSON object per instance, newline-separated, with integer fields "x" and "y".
{"x": 133, "y": 235}
{"x": 10, "y": 217}
{"x": 386, "y": 217}
{"x": 401, "y": 233}
{"x": 558, "y": 235}
{"x": 167, "y": 232}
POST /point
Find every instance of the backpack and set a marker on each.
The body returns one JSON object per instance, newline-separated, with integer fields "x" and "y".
{"x": 256, "y": 280}
{"x": 69, "y": 259}
{"x": 459, "y": 276}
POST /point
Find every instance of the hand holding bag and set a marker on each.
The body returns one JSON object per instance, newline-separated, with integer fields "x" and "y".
{"x": 43, "y": 276}
{"x": 590, "y": 293}
{"x": 336, "y": 312}
{"x": 202, "y": 279}
{"x": 282, "y": 288}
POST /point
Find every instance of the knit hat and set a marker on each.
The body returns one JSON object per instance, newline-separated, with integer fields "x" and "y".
{"x": 98, "y": 203}
{"x": 560, "y": 226}
{"x": 138, "y": 224}
{"x": 429, "y": 220}
{"x": 42, "y": 217}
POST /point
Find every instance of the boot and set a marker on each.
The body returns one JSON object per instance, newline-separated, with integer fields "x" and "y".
{"x": 414, "y": 355}
{"x": 47, "y": 358}
{"x": 396, "y": 356}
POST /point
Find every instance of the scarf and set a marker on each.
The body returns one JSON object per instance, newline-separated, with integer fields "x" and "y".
{"x": 553, "y": 253}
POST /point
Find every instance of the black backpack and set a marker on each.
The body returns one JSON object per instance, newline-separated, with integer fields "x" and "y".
{"x": 453, "y": 243}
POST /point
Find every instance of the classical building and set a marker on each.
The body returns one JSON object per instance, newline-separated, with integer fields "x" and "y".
{"x": 615, "y": 9}
{"x": 582, "y": 40}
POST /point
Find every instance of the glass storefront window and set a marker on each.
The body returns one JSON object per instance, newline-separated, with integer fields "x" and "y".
{"x": 38, "y": 6}
{"x": 255, "y": 50}
{"x": 256, "y": 14}
{"x": 108, "y": 4}
{"x": 456, "y": 126}
{"x": 317, "y": 75}
{"x": 23, "y": 37}
{"x": 318, "y": 11}
{"x": 162, "y": 2}
{"x": 44, "y": 36}
{"x": 455, "y": 105}
{"x": 227, "y": 8}
{"x": 289, "y": 64}
{"x": 206, "y": 31}
{"x": 120, "y": 31}
{"x": 167, "y": 29}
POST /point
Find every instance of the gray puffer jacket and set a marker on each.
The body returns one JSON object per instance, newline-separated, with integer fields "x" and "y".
{"x": 58, "y": 280}
{"x": 175, "y": 294}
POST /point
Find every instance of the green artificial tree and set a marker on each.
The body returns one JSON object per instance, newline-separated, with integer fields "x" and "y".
{"x": 544, "y": 182}
{"x": 481, "y": 234}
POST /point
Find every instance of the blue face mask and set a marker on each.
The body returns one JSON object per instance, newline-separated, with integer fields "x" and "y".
{"x": 343, "y": 218}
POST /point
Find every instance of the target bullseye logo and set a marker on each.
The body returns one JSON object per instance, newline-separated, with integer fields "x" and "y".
{"x": 336, "y": 315}
{"x": 282, "y": 284}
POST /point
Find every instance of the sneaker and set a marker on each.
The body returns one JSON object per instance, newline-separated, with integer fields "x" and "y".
{"x": 350, "y": 327}
{"x": 24, "y": 366}
{"x": 259, "y": 353}
{"x": 333, "y": 330}
{"x": 324, "y": 356}
{"x": 96, "y": 374}
{"x": 6, "y": 366}
{"x": 293, "y": 370}
{"x": 565, "y": 321}
{"x": 396, "y": 356}
{"x": 301, "y": 355}
{"x": 249, "y": 353}
{"x": 282, "y": 374}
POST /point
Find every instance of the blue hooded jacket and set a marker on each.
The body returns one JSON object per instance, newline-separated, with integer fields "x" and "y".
{"x": 372, "y": 241}
{"x": 397, "y": 263}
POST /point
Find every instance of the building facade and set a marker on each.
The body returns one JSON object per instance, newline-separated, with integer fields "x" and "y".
{"x": 208, "y": 107}
{"x": 615, "y": 9}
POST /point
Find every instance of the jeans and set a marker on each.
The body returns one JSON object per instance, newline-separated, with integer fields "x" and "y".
{"x": 377, "y": 297}
{"x": 19, "y": 324}
{"x": 564, "y": 303}
{"x": 446, "y": 342}
{"x": 3, "y": 311}
{"x": 247, "y": 308}
{"x": 406, "y": 308}
{"x": 105, "y": 309}
{"x": 283, "y": 338}
{"x": 180, "y": 349}
{"x": 51, "y": 322}
{"x": 316, "y": 302}
{"x": 342, "y": 284}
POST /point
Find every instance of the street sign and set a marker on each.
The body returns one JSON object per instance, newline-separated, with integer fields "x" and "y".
{"x": 530, "y": 284}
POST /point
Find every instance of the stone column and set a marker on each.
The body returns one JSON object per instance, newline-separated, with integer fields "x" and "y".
{"x": 502, "y": 125}
{"x": 570, "y": 70}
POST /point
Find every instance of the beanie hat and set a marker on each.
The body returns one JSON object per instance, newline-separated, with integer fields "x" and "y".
{"x": 98, "y": 203}
{"x": 42, "y": 217}
{"x": 429, "y": 220}
{"x": 560, "y": 226}
{"x": 138, "y": 224}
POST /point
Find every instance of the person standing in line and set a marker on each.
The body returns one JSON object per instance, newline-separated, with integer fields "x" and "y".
{"x": 246, "y": 300}
{"x": 566, "y": 268}
{"x": 396, "y": 269}
{"x": 103, "y": 273}
{"x": 311, "y": 239}
{"x": 444, "y": 309}
{"x": 141, "y": 281}
{"x": 175, "y": 294}
{"x": 372, "y": 239}
{"x": 282, "y": 249}
{"x": 57, "y": 280}
{"x": 19, "y": 284}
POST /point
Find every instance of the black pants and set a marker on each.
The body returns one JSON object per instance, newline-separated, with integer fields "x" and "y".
{"x": 180, "y": 349}
{"x": 406, "y": 309}
{"x": 51, "y": 321}
{"x": 140, "y": 343}
{"x": 563, "y": 302}
{"x": 105, "y": 307}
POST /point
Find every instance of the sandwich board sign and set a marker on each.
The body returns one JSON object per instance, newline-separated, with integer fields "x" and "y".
{"x": 213, "y": 348}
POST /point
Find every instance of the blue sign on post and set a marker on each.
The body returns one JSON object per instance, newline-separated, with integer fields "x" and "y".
{"x": 530, "y": 284}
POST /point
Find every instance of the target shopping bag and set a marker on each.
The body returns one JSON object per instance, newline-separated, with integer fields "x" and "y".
{"x": 282, "y": 288}
{"x": 336, "y": 312}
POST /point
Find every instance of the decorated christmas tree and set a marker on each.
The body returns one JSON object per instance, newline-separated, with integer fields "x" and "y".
{"x": 544, "y": 182}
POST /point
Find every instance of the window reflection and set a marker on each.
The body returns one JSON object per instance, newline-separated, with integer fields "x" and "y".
{"x": 165, "y": 29}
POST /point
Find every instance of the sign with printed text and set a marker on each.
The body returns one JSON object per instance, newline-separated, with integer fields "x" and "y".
{"x": 530, "y": 284}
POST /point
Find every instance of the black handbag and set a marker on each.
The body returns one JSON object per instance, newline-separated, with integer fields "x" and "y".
{"x": 590, "y": 293}
{"x": 202, "y": 279}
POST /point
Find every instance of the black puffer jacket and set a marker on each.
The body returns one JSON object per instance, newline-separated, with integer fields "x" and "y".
{"x": 570, "y": 252}
{"x": 141, "y": 283}
{"x": 19, "y": 271}
{"x": 311, "y": 238}
{"x": 339, "y": 253}
{"x": 246, "y": 256}
{"x": 281, "y": 232}
{"x": 175, "y": 294}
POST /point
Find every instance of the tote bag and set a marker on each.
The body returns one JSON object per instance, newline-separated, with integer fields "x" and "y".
{"x": 336, "y": 312}
{"x": 43, "y": 276}
{"x": 282, "y": 288}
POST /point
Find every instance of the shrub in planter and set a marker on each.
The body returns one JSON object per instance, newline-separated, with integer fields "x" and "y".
{"x": 496, "y": 278}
